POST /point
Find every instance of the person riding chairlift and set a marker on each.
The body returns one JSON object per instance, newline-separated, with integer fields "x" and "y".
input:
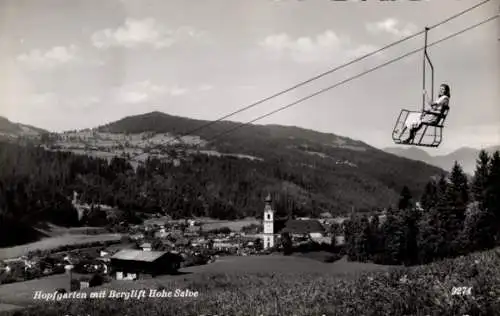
{"x": 433, "y": 115}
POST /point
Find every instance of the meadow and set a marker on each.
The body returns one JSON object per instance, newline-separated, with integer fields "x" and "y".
{"x": 208, "y": 224}
{"x": 235, "y": 225}
{"x": 22, "y": 292}
{"x": 53, "y": 242}
{"x": 421, "y": 290}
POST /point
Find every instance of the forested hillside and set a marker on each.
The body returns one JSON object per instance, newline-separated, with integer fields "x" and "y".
{"x": 307, "y": 173}
{"x": 331, "y": 155}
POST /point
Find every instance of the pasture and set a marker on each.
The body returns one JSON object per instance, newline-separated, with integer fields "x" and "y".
{"x": 55, "y": 242}
{"x": 235, "y": 226}
{"x": 208, "y": 223}
{"x": 21, "y": 293}
{"x": 422, "y": 290}
{"x": 51, "y": 230}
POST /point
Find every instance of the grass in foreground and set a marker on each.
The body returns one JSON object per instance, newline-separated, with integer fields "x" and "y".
{"x": 426, "y": 290}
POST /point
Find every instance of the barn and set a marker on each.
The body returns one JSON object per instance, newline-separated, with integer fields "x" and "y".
{"x": 129, "y": 264}
{"x": 313, "y": 228}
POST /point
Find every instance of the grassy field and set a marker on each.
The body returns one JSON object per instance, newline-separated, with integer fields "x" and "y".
{"x": 54, "y": 242}
{"x": 51, "y": 230}
{"x": 209, "y": 223}
{"x": 9, "y": 307}
{"x": 22, "y": 292}
{"x": 424, "y": 290}
{"x": 235, "y": 226}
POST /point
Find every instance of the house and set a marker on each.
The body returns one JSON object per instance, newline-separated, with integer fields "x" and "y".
{"x": 162, "y": 232}
{"x": 137, "y": 236}
{"x": 339, "y": 240}
{"x": 309, "y": 228}
{"x": 4, "y": 267}
{"x": 225, "y": 245}
{"x": 129, "y": 264}
{"x": 146, "y": 246}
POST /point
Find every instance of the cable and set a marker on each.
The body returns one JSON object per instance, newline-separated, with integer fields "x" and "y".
{"x": 178, "y": 137}
{"x": 333, "y": 70}
{"x": 351, "y": 78}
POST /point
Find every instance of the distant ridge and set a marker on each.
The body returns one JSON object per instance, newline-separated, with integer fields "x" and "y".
{"x": 295, "y": 147}
{"x": 18, "y": 129}
{"x": 465, "y": 156}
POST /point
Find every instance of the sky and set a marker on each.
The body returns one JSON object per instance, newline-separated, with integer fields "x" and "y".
{"x": 83, "y": 63}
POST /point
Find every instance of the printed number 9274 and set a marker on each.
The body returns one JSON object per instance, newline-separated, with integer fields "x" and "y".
{"x": 461, "y": 290}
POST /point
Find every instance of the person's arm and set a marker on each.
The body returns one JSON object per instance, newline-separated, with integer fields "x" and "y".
{"x": 439, "y": 103}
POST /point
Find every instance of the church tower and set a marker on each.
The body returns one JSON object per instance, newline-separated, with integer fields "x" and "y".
{"x": 268, "y": 222}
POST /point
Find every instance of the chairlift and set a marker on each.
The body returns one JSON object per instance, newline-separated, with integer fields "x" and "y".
{"x": 429, "y": 135}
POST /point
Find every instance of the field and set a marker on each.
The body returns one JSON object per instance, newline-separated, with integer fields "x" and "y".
{"x": 54, "y": 242}
{"x": 208, "y": 223}
{"x": 22, "y": 292}
{"x": 276, "y": 290}
{"x": 51, "y": 230}
{"x": 235, "y": 226}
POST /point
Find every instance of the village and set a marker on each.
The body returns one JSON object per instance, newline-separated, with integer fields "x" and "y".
{"x": 155, "y": 248}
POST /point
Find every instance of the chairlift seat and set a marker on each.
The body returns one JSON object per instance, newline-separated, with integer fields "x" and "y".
{"x": 429, "y": 135}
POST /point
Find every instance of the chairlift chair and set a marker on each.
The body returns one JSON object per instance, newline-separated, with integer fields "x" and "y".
{"x": 429, "y": 135}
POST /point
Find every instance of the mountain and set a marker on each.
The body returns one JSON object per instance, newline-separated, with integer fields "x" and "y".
{"x": 413, "y": 153}
{"x": 347, "y": 172}
{"x": 8, "y": 128}
{"x": 465, "y": 156}
{"x": 306, "y": 172}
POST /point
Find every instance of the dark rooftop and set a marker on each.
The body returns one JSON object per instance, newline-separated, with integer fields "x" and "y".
{"x": 295, "y": 226}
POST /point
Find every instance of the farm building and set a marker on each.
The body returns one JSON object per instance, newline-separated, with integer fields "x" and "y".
{"x": 129, "y": 264}
{"x": 309, "y": 228}
{"x": 146, "y": 246}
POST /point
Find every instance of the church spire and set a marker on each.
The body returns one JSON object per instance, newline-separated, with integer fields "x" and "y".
{"x": 268, "y": 198}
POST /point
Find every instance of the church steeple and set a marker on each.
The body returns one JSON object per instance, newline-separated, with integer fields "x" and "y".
{"x": 268, "y": 198}
{"x": 268, "y": 223}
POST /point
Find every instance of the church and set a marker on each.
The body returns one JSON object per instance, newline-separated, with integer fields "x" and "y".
{"x": 273, "y": 227}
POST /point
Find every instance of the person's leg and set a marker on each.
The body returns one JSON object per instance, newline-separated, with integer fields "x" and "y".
{"x": 413, "y": 132}
{"x": 402, "y": 132}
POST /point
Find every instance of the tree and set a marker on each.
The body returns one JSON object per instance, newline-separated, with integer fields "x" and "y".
{"x": 375, "y": 245}
{"x": 480, "y": 180}
{"x": 392, "y": 238}
{"x": 458, "y": 190}
{"x": 429, "y": 197}
{"x": 429, "y": 239}
{"x": 286, "y": 243}
{"x": 350, "y": 237}
{"x": 405, "y": 199}
{"x": 492, "y": 198}
{"x": 478, "y": 233}
{"x": 409, "y": 246}
{"x": 258, "y": 244}
{"x": 361, "y": 247}
{"x": 451, "y": 206}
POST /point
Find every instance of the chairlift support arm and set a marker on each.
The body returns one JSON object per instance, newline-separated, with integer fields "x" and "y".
{"x": 427, "y": 59}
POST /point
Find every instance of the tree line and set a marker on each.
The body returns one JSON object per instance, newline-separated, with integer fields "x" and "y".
{"x": 37, "y": 185}
{"x": 453, "y": 217}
